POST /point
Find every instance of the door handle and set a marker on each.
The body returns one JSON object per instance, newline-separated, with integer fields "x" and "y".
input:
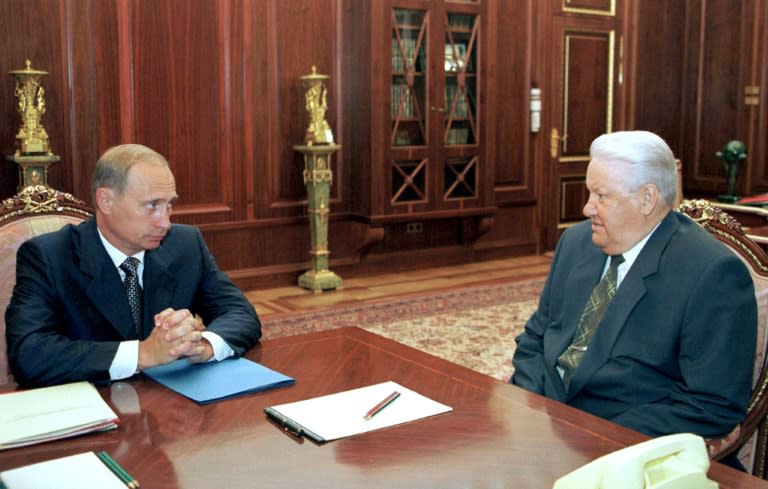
{"x": 554, "y": 143}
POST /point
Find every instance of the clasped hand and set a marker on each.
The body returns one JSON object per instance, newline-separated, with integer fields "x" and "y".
{"x": 176, "y": 334}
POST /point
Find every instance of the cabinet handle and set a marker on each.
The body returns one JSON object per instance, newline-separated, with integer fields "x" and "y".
{"x": 439, "y": 109}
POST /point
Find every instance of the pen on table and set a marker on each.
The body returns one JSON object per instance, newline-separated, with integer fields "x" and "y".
{"x": 378, "y": 407}
{"x": 120, "y": 472}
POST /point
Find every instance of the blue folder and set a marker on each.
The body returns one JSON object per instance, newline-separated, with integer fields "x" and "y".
{"x": 213, "y": 381}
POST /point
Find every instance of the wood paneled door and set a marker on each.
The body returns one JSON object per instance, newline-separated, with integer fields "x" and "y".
{"x": 585, "y": 87}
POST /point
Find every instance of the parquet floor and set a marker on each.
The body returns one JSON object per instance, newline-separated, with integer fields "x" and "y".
{"x": 281, "y": 301}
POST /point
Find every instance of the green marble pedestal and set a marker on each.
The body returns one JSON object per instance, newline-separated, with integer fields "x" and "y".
{"x": 33, "y": 169}
{"x": 318, "y": 177}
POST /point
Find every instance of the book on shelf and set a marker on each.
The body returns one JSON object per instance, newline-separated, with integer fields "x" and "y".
{"x": 402, "y": 101}
{"x": 51, "y": 413}
{"x": 403, "y": 59}
{"x": 458, "y": 135}
{"x": 458, "y": 95}
{"x": 461, "y": 22}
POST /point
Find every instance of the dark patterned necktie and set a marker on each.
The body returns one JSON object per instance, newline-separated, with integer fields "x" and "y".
{"x": 130, "y": 266}
{"x": 590, "y": 318}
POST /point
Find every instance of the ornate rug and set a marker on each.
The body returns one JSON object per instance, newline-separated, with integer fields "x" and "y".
{"x": 474, "y": 327}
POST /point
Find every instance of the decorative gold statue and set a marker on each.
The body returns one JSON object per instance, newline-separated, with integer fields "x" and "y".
{"x": 316, "y": 103}
{"x": 33, "y": 152}
{"x": 31, "y": 138}
{"x": 318, "y": 149}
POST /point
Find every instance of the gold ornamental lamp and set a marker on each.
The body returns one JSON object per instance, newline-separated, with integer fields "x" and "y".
{"x": 33, "y": 152}
{"x": 318, "y": 149}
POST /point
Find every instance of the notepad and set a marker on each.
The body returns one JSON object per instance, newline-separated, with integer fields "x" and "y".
{"x": 343, "y": 414}
{"x": 50, "y": 413}
{"x": 214, "y": 381}
{"x": 82, "y": 471}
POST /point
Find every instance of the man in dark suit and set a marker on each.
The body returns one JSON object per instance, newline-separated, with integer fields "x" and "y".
{"x": 69, "y": 318}
{"x": 675, "y": 347}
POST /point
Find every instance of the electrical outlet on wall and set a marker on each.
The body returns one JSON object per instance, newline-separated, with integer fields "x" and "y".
{"x": 414, "y": 227}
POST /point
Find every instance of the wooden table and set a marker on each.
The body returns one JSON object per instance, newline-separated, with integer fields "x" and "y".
{"x": 497, "y": 435}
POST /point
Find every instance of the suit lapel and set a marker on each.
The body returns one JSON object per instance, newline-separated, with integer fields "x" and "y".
{"x": 105, "y": 290}
{"x": 631, "y": 290}
{"x": 159, "y": 285}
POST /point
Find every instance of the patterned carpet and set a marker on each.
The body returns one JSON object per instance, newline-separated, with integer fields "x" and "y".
{"x": 474, "y": 327}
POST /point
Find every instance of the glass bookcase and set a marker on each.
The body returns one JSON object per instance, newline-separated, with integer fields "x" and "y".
{"x": 434, "y": 140}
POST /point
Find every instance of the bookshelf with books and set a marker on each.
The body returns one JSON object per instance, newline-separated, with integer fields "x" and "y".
{"x": 426, "y": 152}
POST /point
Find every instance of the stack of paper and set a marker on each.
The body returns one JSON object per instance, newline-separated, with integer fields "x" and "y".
{"x": 208, "y": 382}
{"x": 51, "y": 413}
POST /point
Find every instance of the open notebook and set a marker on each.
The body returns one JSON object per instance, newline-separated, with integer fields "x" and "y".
{"x": 343, "y": 414}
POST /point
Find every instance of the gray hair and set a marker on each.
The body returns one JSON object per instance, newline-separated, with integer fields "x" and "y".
{"x": 112, "y": 168}
{"x": 650, "y": 158}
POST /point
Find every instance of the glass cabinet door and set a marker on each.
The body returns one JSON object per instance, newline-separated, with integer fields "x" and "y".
{"x": 409, "y": 42}
{"x": 434, "y": 141}
{"x": 460, "y": 79}
{"x": 460, "y": 175}
{"x": 409, "y": 174}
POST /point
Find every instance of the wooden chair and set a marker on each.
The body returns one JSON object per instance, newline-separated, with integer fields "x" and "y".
{"x": 35, "y": 210}
{"x": 750, "y": 438}
{"x": 679, "y": 197}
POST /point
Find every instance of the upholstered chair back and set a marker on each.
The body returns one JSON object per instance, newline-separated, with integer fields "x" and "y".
{"x": 33, "y": 211}
{"x": 751, "y": 436}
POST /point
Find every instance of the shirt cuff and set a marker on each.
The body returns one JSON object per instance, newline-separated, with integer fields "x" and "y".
{"x": 126, "y": 361}
{"x": 221, "y": 349}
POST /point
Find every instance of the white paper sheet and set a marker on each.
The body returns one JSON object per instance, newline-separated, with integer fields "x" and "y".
{"x": 342, "y": 414}
{"x": 82, "y": 471}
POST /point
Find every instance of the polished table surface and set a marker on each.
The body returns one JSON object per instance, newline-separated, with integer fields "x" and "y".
{"x": 497, "y": 436}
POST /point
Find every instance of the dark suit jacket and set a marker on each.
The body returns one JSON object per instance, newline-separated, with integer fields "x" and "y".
{"x": 69, "y": 309}
{"x": 675, "y": 349}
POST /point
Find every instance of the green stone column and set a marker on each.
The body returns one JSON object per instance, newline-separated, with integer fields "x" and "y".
{"x": 318, "y": 177}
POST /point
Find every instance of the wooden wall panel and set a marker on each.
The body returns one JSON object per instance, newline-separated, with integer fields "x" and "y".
{"x": 22, "y": 23}
{"x": 214, "y": 85}
{"x": 587, "y": 89}
{"x": 180, "y": 87}
{"x": 513, "y": 178}
{"x": 305, "y": 33}
{"x": 662, "y": 36}
{"x": 758, "y": 115}
{"x": 514, "y": 68}
{"x": 604, "y": 7}
{"x": 260, "y": 103}
{"x": 717, "y": 50}
{"x": 93, "y": 116}
{"x": 719, "y": 47}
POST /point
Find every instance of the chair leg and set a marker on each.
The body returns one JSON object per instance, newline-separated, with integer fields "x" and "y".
{"x": 761, "y": 450}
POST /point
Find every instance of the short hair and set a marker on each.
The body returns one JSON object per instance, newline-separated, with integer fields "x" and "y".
{"x": 113, "y": 165}
{"x": 648, "y": 155}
